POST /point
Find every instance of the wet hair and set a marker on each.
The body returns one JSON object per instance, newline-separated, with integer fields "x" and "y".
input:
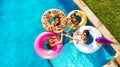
{"x": 73, "y": 14}
{"x": 87, "y": 32}
{"x": 56, "y": 17}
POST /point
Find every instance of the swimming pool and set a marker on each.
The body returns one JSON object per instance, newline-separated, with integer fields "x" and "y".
{"x": 20, "y": 25}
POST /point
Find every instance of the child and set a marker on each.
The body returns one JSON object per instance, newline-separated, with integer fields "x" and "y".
{"x": 73, "y": 22}
{"x": 57, "y": 24}
{"x": 83, "y": 38}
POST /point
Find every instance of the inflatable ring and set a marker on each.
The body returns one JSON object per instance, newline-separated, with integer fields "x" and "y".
{"x": 52, "y": 13}
{"x": 88, "y": 48}
{"x": 80, "y": 14}
{"x": 39, "y": 48}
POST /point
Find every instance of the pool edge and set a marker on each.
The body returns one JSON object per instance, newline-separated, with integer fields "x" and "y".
{"x": 115, "y": 61}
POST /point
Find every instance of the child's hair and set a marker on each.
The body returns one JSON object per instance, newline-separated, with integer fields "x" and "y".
{"x": 87, "y": 32}
{"x": 73, "y": 14}
{"x": 56, "y": 17}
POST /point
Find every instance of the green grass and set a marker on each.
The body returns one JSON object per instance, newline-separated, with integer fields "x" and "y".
{"x": 108, "y": 11}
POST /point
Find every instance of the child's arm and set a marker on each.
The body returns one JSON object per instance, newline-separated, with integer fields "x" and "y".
{"x": 61, "y": 39}
{"x": 72, "y": 37}
{"x": 77, "y": 33}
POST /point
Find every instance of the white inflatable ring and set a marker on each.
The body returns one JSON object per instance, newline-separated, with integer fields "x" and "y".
{"x": 88, "y": 48}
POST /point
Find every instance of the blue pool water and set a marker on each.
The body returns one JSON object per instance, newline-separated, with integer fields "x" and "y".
{"x": 20, "y": 25}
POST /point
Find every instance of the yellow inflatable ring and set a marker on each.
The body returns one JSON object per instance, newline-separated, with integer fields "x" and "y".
{"x": 52, "y": 13}
{"x": 80, "y": 14}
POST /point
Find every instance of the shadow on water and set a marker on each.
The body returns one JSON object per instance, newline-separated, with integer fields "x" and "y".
{"x": 100, "y": 57}
{"x": 89, "y": 23}
{"x": 68, "y": 5}
{"x": 109, "y": 49}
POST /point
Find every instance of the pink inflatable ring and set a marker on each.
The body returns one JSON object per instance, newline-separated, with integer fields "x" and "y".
{"x": 39, "y": 48}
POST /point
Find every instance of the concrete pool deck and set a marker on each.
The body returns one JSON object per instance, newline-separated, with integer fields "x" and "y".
{"x": 115, "y": 61}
